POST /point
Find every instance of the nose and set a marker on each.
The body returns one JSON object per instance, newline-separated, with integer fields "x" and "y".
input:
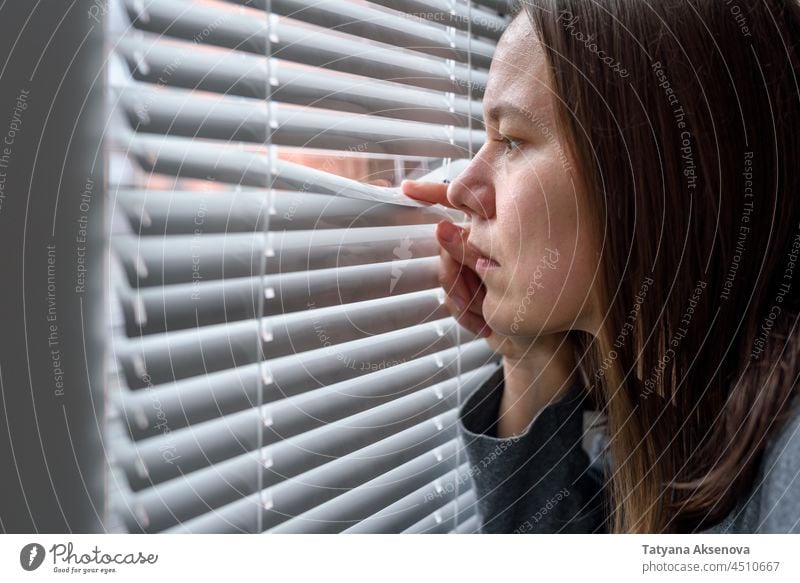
{"x": 472, "y": 191}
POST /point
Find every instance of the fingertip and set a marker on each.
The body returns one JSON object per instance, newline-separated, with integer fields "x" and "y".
{"x": 447, "y": 231}
{"x": 409, "y": 188}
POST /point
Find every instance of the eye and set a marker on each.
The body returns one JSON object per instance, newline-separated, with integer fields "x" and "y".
{"x": 510, "y": 143}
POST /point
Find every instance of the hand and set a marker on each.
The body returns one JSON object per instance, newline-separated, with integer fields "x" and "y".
{"x": 466, "y": 291}
{"x": 537, "y": 370}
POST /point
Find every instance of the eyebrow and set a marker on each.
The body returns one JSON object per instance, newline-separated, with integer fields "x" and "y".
{"x": 505, "y": 109}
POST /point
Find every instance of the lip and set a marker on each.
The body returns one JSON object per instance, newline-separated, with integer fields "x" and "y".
{"x": 483, "y": 265}
{"x": 485, "y": 261}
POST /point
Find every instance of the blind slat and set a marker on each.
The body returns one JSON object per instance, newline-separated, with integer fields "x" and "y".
{"x": 468, "y": 526}
{"x": 186, "y": 212}
{"x": 238, "y": 74}
{"x": 443, "y": 519}
{"x": 284, "y": 361}
{"x": 337, "y": 514}
{"x": 218, "y": 162}
{"x": 318, "y": 366}
{"x": 458, "y": 14}
{"x": 150, "y": 261}
{"x": 401, "y": 514}
{"x": 225, "y": 438}
{"x": 444, "y": 12}
{"x": 181, "y": 113}
{"x": 146, "y": 410}
{"x": 208, "y": 349}
{"x": 501, "y": 6}
{"x": 327, "y": 481}
{"x": 310, "y": 46}
{"x": 369, "y": 22}
{"x": 153, "y": 310}
{"x": 213, "y": 487}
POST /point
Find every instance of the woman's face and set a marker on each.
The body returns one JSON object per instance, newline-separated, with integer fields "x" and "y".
{"x": 521, "y": 193}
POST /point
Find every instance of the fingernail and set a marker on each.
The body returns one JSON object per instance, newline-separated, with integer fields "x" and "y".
{"x": 448, "y": 231}
{"x": 460, "y": 303}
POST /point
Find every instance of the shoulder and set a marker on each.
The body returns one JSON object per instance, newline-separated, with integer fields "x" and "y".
{"x": 779, "y": 478}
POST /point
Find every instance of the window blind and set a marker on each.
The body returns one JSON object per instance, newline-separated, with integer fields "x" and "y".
{"x": 282, "y": 360}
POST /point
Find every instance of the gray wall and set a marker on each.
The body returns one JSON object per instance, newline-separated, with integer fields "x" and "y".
{"x": 52, "y": 463}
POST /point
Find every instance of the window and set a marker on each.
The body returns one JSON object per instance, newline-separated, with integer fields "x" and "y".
{"x": 281, "y": 360}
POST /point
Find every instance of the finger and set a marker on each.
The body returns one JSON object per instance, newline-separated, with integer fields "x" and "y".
{"x": 472, "y": 322}
{"x": 469, "y": 283}
{"x": 461, "y": 285}
{"x": 477, "y": 291}
{"x": 454, "y": 240}
{"x": 433, "y": 192}
{"x": 450, "y": 278}
{"x": 465, "y": 305}
{"x": 472, "y": 281}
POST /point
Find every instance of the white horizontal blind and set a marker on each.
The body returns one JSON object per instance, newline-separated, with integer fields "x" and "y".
{"x": 283, "y": 361}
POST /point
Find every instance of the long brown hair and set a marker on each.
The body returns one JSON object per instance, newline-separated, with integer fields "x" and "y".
{"x": 683, "y": 118}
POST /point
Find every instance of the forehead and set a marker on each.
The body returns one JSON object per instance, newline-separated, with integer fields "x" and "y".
{"x": 518, "y": 75}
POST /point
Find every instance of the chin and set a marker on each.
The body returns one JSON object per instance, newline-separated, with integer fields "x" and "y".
{"x": 505, "y": 325}
{"x": 513, "y": 322}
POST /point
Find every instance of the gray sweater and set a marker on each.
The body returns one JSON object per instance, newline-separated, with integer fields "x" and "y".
{"x": 549, "y": 479}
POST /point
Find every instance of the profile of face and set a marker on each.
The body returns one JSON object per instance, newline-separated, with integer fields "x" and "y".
{"x": 523, "y": 198}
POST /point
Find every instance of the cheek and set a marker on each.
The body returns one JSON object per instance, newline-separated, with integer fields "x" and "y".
{"x": 547, "y": 281}
{"x": 545, "y": 296}
{"x": 544, "y": 279}
{"x": 541, "y": 207}
{"x": 522, "y": 301}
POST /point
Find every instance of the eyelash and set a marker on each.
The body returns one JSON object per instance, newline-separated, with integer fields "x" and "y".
{"x": 506, "y": 140}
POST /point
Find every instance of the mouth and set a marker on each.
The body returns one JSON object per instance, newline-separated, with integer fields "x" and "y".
{"x": 485, "y": 261}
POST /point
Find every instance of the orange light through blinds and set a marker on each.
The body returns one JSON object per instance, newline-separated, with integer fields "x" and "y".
{"x": 282, "y": 358}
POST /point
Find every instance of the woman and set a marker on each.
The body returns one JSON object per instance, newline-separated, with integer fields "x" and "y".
{"x": 633, "y": 250}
